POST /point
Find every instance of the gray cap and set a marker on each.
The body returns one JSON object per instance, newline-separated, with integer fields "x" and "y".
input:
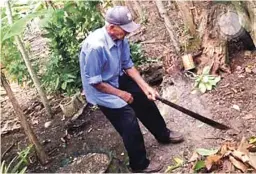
{"x": 121, "y": 16}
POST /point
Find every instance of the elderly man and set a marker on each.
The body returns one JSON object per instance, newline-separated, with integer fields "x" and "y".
{"x": 111, "y": 81}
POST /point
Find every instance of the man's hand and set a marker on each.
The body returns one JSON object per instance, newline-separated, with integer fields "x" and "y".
{"x": 126, "y": 96}
{"x": 107, "y": 88}
{"x": 151, "y": 93}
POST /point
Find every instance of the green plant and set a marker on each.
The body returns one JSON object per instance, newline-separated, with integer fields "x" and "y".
{"x": 18, "y": 164}
{"x": 178, "y": 163}
{"x": 205, "y": 81}
{"x": 137, "y": 54}
{"x": 66, "y": 31}
{"x": 10, "y": 56}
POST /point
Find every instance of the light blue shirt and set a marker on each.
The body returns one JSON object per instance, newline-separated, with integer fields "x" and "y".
{"x": 103, "y": 60}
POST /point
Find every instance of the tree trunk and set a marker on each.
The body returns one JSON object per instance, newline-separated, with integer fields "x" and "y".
{"x": 28, "y": 64}
{"x": 214, "y": 45}
{"x": 184, "y": 8}
{"x": 139, "y": 9}
{"x": 118, "y": 3}
{"x": 251, "y": 7}
{"x": 168, "y": 25}
{"x": 28, "y": 131}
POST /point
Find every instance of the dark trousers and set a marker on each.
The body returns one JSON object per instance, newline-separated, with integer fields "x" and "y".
{"x": 125, "y": 122}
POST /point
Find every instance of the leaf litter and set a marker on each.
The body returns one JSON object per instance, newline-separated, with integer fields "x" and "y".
{"x": 230, "y": 157}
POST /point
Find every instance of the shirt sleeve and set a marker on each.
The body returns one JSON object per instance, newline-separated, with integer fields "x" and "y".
{"x": 93, "y": 66}
{"x": 126, "y": 57}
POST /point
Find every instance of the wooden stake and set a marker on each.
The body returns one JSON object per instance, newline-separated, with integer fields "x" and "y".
{"x": 24, "y": 123}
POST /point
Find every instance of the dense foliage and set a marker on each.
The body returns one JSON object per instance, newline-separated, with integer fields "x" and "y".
{"x": 65, "y": 27}
{"x": 137, "y": 54}
{"x": 66, "y": 31}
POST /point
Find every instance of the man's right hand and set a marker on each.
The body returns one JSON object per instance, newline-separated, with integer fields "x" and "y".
{"x": 126, "y": 96}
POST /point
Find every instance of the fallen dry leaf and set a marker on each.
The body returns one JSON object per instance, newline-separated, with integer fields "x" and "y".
{"x": 206, "y": 152}
{"x": 251, "y": 148}
{"x": 241, "y": 156}
{"x": 194, "y": 157}
{"x": 243, "y": 146}
{"x": 252, "y": 157}
{"x": 227, "y": 166}
{"x": 178, "y": 163}
{"x": 238, "y": 164}
{"x": 211, "y": 160}
{"x": 226, "y": 148}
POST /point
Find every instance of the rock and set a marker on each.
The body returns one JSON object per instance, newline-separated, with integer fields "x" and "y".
{"x": 236, "y": 107}
{"x": 254, "y": 70}
{"x": 248, "y": 117}
{"x": 238, "y": 68}
{"x": 248, "y": 70}
{"x": 47, "y": 124}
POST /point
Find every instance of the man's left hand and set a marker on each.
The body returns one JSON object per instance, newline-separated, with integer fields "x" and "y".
{"x": 151, "y": 93}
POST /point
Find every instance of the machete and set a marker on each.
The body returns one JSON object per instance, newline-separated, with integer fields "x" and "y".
{"x": 194, "y": 115}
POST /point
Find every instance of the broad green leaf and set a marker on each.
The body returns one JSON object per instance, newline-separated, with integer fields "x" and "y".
{"x": 217, "y": 79}
{"x": 202, "y": 87}
{"x": 19, "y": 26}
{"x": 206, "y": 70}
{"x": 196, "y": 84}
{"x": 211, "y": 77}
{"x": 206, "y": 152}
{"x": 4, "y": 30}
{"x": 205, "y": 79}
{"x": 198, "y": 79}
{"x": 199, "y": 165}
{"x": 213, "y": 82}
{"x": 208, "y": 86}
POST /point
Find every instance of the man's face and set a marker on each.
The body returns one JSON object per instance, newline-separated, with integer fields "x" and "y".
{"x": 117, "y": 32}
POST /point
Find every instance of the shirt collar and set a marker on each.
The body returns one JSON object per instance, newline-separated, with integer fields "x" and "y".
{"x": 109, "y": 40}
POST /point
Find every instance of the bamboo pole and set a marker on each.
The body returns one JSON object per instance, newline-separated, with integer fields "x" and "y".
{"x": 26, "y": 59}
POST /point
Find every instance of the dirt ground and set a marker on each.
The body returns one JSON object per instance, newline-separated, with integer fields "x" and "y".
{"x": 97, "y": 134}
